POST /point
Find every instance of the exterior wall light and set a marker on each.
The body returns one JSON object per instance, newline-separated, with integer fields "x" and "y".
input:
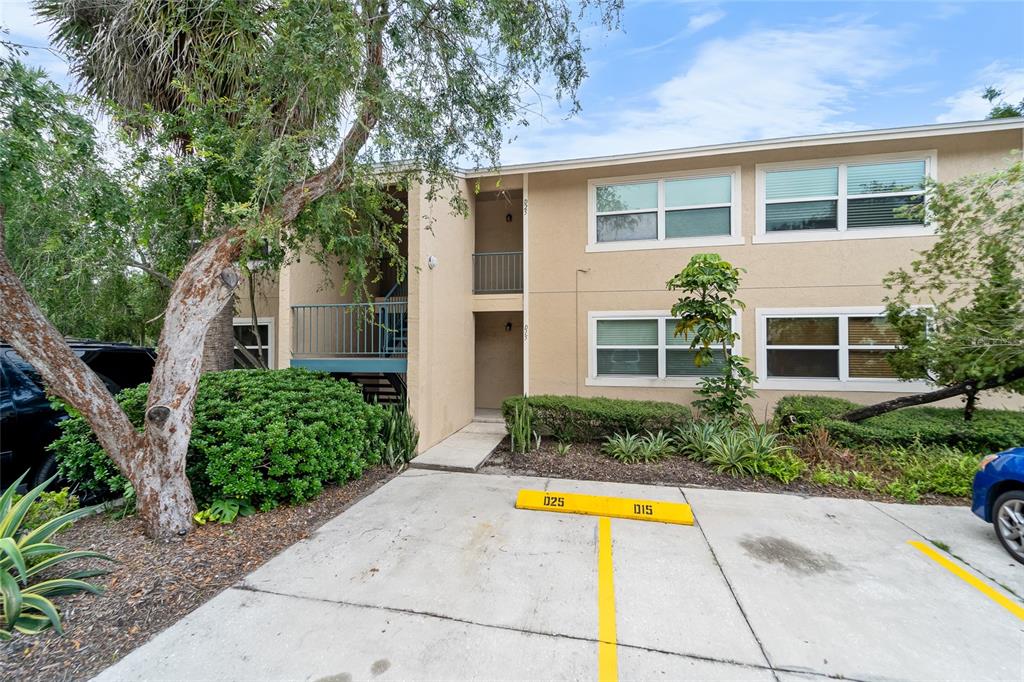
{"x": 431, "y": 262}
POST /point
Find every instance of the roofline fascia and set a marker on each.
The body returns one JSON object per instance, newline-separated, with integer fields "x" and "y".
{"x": 878, "y": 135}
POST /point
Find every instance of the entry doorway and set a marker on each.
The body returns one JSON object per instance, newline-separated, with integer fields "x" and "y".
{"x": 499, "y": 357}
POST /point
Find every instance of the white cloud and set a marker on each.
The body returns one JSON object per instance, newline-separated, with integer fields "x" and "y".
{"x": 968, "y": 105}
{"x": 699, "y": 22}
{"x": 765, "y": 83}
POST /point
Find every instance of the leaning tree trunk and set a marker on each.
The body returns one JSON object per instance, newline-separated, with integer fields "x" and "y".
{"x": 962, "y": 388}
{"x": 219, "y": 348}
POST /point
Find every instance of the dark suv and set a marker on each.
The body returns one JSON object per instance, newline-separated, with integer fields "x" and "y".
{"x": 27, "y": 422}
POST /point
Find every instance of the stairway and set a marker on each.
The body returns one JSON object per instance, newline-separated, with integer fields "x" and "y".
{"x": 383, "y": 388}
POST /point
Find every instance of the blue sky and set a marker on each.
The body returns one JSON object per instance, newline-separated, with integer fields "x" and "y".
{"x": 690, "y": 73}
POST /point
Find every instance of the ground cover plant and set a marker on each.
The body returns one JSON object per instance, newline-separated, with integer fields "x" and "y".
{"x": 261, "y": 438}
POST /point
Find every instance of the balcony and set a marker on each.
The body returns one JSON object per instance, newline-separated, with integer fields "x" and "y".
{"x": 498, "y": 273}
{"x": 351, "y": 337}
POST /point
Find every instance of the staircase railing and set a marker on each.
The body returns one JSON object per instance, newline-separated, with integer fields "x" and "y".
{"x": 350, "y": 329}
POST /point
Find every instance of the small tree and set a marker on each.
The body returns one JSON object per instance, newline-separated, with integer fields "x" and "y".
{"x": 705, "y": 318}
{"x": 969, "y": 335}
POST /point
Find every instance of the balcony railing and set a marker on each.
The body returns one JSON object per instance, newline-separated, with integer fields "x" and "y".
{"x": 498, "y": 273}
{"x": 351, "y": 329}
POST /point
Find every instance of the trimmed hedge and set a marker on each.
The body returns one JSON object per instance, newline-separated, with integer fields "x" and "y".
{"x": 263, "y": 436}
{"x": 989, "y": 431}
{"x": 571, "y": 418}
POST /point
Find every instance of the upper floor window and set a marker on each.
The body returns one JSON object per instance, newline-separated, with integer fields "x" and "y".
{"x": 641, "y": 213}
{"x": 854, "y": 198}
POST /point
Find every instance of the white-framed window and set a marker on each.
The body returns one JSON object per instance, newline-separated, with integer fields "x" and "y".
{"x": 697, "y": 208}
{"x": 262, "y": 347}
{"x": 640, "y": 348}
{"x": 842, "y": 349}
{"x": 851, "y": 198}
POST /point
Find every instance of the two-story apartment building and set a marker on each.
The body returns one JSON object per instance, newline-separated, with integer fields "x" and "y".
{"x": 555, "y": 280}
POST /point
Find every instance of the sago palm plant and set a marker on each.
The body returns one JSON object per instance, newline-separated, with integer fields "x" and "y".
{"x": 25, "y": 553}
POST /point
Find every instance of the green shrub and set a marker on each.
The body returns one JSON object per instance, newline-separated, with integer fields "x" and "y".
{"x": 731, "y": 454}
{"x": 399, "y": 436}
{"x": 695, "y": 438}
{"x": 563, "y": 448}
{"x": 48, "y": 506}
{"x": 571, "y": 418}
{"x": 25, "y": 553}
{"x": 655, "y": 446}
{"x": 260, "y": 437}
{"x": 783, "y": 466}
{"x": 626, "y": 448}
{"x": 931, "y": 469}
{"x": 989, "y": 431}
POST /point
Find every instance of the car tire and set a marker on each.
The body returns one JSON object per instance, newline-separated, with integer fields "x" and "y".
{"x": 44, "y": 471}
{"x": 1008, "y": 521}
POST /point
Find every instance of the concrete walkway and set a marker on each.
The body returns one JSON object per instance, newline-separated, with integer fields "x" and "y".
{"x": 437, "y": 576}
{"x": 464, "y": 450}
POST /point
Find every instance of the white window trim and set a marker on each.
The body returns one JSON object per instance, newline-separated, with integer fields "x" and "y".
{"x": 762, "y": 236}
{"x": 661, "y": 381}
{"x": 269, "y": 341}
{"x": 764, "y": 382}
{"x": 735, "y": 236}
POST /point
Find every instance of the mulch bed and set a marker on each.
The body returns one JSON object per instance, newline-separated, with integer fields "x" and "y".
{"x": 586, "y": 462}
{"x": 154, "y": 584}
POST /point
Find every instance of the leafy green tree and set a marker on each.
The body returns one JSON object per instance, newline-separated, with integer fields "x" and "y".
{"x": 300, "y": 120}
{"x": 959, "y": 307}
{"x": 705, "y": 317}
{"x": 1000, "y": 107}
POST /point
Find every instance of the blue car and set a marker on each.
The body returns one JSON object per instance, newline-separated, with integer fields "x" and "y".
{"x": 999, "y": 498}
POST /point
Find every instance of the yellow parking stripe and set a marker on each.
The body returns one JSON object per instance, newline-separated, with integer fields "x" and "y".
{"x": 599, "y": 505}
{"x": 607, "y": 655}
{"x": 978, "y": 584}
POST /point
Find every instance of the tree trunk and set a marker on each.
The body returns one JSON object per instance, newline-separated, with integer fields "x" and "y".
{"x": 219, "y": 348}
{"x": 970, "y": 400}
{"x": 862, "y": 413}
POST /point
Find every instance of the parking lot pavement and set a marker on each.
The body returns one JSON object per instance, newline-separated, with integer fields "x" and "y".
{"x": 437, "y": 575}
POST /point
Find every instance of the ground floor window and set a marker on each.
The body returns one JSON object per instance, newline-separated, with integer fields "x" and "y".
{"x": 844, "y": 347}
{"x": 643, "y": 346}
{"x": 261, "y": 346}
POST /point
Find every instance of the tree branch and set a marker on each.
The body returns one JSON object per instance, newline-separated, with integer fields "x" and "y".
{"x": 38, "y": 342}
{"x": 961, "y": 388}
{"x": 157, "y": 275}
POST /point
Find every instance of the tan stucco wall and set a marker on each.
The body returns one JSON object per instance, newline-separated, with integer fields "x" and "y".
{"x": 499, "y": 357}
{"x": 493, "y": 233}
{"x": 809, "y": 274}
{"x": 441, "y": 331}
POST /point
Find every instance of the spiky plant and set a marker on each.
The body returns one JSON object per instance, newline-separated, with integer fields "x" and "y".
{"x": 25, "y": 553}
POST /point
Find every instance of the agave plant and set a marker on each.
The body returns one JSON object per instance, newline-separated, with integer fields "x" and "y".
{"x": 25, "y": 553}
{"x": 399, "y": 435}
{"x": 696, "y": 438}
{"x": 626, "y": 448}
{"x": 731, "y": 454}
{"x": 656, "y": 446}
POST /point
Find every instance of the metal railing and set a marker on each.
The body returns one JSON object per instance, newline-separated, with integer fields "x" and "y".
{"x": 351, "y": 329}
{"x": 498, "y": 273}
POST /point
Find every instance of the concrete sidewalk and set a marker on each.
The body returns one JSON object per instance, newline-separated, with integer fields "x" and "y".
{"x": 437, "y": 576}
{"x": 465, "y": 450}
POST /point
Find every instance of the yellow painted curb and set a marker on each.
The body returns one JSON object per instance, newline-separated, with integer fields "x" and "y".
{"x": 599, "y": 505}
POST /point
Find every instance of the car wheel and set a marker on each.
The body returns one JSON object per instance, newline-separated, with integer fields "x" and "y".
{"x": 47, "y": 469}
{"x": 1008, "y": 519}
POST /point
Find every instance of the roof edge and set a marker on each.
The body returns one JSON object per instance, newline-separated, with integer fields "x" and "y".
{"x": 879, "y": 134}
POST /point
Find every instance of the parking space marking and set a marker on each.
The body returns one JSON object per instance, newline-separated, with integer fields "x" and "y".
{"x": 599, "y": 505}
{"x": 969, "y": 578}
{"x": 607, "y": 651}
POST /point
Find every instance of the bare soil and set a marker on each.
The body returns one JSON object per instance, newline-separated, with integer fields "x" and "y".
{"x": 586, "y": 462}
{"x": 154, "y": 584}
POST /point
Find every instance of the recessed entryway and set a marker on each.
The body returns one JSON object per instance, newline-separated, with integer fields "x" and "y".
{"x": 499, "y": 357}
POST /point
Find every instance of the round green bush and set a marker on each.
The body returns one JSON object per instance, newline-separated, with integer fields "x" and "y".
{"x": 263, "y": 436}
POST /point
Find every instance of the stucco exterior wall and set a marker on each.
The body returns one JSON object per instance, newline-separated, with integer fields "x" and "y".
{"x": 441, "y": 330}
{"x": 493, "y": 232}
{"x": 779, "y": 275}
{"x": 499, "y": 357}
